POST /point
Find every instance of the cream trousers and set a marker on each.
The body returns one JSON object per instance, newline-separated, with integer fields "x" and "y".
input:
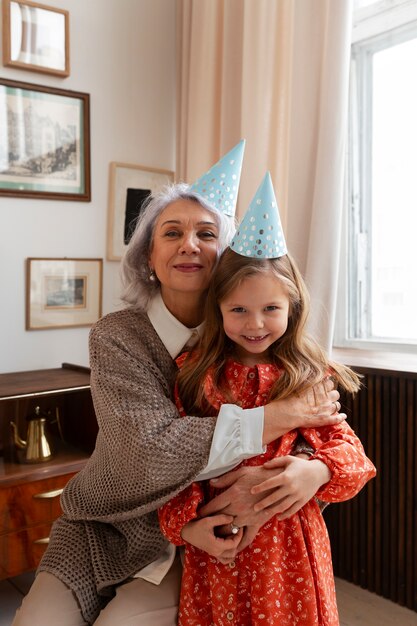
{"x": 137, "y": 603}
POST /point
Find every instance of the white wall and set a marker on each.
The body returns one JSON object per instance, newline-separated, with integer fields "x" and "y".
{"x": 123, "y": 55}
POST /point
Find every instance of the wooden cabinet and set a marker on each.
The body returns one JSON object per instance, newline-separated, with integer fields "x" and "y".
{"x": 27, "y": 511}
{"x": 30, "y": 492}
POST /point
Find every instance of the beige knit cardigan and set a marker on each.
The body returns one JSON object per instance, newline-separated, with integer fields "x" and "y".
{"x": 144, "y": 455}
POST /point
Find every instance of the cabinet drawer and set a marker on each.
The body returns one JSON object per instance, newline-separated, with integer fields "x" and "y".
{"x": 31, "y": 503}
{"x": 21, "y": 551}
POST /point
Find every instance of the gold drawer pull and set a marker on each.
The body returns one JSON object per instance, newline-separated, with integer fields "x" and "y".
{"x": 44, "y": 540}
{"x": 49, "y": 494}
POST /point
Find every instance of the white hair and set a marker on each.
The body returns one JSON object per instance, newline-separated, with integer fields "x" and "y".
{"x": 138, "y": 288}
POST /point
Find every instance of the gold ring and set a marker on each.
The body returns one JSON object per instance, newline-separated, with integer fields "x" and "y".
{"x": 235, "y": 529}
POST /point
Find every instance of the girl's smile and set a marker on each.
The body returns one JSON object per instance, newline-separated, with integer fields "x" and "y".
{"x": 255, "y": 339}
{"x": 255, "y": 315}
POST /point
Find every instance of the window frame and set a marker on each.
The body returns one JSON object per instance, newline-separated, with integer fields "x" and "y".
{"x": 375, "y": 27}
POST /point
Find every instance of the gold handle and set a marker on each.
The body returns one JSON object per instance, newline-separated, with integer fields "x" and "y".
{"x": 42, "y": 541}
{"x": 49, "y": 494}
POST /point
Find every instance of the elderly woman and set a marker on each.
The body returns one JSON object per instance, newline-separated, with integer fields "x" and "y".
{"x": 107, "y": 562}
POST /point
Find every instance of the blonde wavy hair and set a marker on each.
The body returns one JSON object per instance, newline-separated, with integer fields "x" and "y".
{"x": 303, "y": 362}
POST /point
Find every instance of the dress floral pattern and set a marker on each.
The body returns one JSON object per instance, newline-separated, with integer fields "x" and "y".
{"x": 285, "y": 576}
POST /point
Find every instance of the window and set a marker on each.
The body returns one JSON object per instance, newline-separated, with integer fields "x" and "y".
{"x": 379, "y": 305}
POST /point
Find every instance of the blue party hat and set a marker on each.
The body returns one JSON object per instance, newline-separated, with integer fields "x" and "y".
{"x": 220, "y": 185}
{"x": 260, "y": 233}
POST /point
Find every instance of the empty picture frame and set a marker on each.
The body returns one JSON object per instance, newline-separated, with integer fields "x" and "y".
{"x": 36, "y": 37}
{"x": 129, "y": 187}
{"x": 62, "y": 292}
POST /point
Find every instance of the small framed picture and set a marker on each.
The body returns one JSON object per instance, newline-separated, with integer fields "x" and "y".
{"x": 44, "y": 142}
{"x": 129, "y": 187}
{"x": 61, "y": 293}
{"x": 36, "y": 37}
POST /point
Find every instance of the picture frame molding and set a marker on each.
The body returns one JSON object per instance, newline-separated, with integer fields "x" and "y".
{"x": 40, "y": 316}
{"x": 115, "y": 215}
{"x": 7, "y": 39}
{"x": 84, "y": 152}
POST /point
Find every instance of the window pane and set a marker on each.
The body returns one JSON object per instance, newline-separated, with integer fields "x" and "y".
{"x": 394, "y": 193}
{"x": 360, "y": 4}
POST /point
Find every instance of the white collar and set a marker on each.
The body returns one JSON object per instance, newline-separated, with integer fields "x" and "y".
{"x": 174, "y": 335}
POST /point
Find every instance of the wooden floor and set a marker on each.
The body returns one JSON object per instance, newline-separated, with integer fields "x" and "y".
{"x": 357, "y": 607}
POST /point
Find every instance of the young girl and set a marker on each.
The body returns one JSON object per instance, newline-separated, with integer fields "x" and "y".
{"x": 255, "y": 348}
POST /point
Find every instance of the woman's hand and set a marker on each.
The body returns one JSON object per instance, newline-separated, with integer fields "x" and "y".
{"x": 313, "y": 408}
{"x": 201, "y": 534}
{"x": 237, "y": 499}
{"x": 288, "y": 491}
{"x": 249, "y": 534}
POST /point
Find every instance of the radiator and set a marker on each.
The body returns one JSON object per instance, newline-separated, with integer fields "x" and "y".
{"x": 374, "y": 536}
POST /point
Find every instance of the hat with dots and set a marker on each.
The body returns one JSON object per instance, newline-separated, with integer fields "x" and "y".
{"x": 260, "y": 233}
{"x": 220, "y": 185}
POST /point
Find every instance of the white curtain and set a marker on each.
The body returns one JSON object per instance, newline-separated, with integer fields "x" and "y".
{"x": 274, "y": 72}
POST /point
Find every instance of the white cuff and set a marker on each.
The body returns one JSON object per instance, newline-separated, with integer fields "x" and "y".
{"x": 237, "y": 436}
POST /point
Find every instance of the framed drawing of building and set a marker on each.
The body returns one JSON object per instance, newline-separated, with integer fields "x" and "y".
{"x": 44, "y": 142}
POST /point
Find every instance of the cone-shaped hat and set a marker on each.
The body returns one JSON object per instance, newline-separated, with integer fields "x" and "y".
{"x": 220, "y": 185}
{"x": 260, "y": 233}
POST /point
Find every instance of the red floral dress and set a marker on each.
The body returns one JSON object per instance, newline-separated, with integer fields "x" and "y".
{"x": 285, "y": 576}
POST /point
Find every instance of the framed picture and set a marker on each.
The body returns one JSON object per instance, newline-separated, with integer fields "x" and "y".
{"x": 44, "y": 142}
{"x": 36, "y": 37}
{"x": 129, "y": 187}
{"x": 61, "y": 293}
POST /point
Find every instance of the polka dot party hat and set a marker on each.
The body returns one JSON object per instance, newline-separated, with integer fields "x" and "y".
{"x": 220, "y": 185}
{"x": 260, "y": 233}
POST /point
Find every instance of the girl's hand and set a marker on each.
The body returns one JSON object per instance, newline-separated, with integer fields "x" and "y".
{"x": 201, "y": 534}
{"x": 254, "y": 494}
{"x": 313, "y": 408}
{"x": 289, "y": 490}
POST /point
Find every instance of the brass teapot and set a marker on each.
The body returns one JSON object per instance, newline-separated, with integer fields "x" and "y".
{"x": 37, "y": 446}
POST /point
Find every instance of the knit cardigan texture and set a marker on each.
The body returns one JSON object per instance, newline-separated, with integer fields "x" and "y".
{"x": 144, "y": 455}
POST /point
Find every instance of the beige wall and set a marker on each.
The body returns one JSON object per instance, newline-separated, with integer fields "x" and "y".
{"x": 123, "y": 55}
